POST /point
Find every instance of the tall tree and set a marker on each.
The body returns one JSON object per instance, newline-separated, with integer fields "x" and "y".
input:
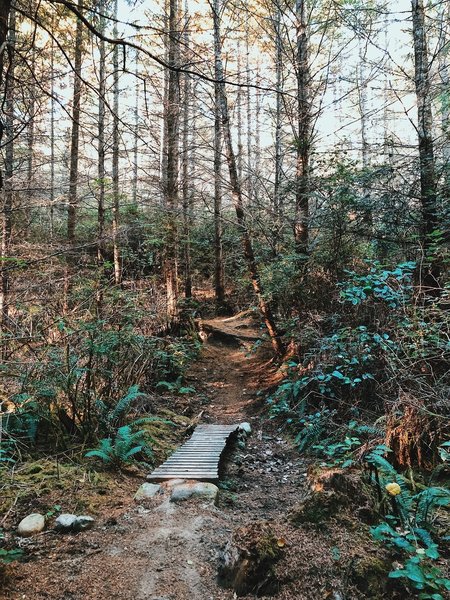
{"x": 8, "y": 192}
{"x": 303, "y": 131}
{"x": 171, "y": 191}
{"x": 219, "y": 271}
{"x": 75, "y": 136}
{"x": 444, "y": 76}
{"x": 236, "y": 189}
{"x": 101, "y": 155}
{"x": 428, "y": 186}
{"x": 277, "y": 197}
{"x": 115, "y": 155}
{"x": 186, "y": 185}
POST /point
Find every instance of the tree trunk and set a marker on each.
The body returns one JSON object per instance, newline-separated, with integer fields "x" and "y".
{"x": 115, "y": 157}
{"x": 219, "y": 272}
{"x": 101, "y": 152}
{"x": 30, "y": 128}
{"x": 277, "y": 197}
{"x": 237, "y": 191}
{"x": 301, "y": 234}
{"x": 428, "y": 187}
{"x": 164, "y": 133}
{"x": 171, "y": 203}
{"x": 240, "y": 151}
{"x": 444, "y": 75}
{"x": 185, "y": 165}
{"x": 8, "y": 192}
{"x": 52, "y": 140}
{"x": 249, "y": 110}
{"x": 136, "y": 134}
{"x": 4, "y": 18}
{"x": 75, "y": 138}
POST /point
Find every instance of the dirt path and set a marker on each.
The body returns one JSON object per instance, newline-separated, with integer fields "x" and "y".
{"x": 158, "y": 550}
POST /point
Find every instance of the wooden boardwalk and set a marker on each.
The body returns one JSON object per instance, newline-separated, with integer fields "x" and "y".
{"x": 199, "y": 457}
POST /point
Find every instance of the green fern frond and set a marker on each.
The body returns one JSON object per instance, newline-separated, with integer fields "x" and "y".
{"x": 123, "y": 406}
{"x": 427, "y": 501}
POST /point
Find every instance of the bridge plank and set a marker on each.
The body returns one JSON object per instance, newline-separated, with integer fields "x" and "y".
{"x": 199, "y": 457}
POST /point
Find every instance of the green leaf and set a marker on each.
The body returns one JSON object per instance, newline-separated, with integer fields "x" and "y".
{"x": 338, "y": 375}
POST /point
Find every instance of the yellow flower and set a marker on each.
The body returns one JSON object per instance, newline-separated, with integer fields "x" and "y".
{"x": 393, "y": 489}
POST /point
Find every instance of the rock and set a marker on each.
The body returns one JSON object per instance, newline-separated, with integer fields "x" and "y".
{"x": 65, "y": 522}
{"x": 247, "y": 562}
{"x": 335, "y": 494}
{"x": 245, "y": 428}
{"x": 147, "y": 490}
{"x": 185, "y": 491}
{"x": 173, "y": 482}
{"x": 369, "y": 574}
{"x": 31, "y": 525}
{"x": 83, "y": 523}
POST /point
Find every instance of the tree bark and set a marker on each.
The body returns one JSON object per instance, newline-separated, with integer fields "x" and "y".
{"x": 186, "y": 186}
{"x": 301, "y": 233}
{"x": 444, "y": 75}
{"x": 7, "y": 199}
{"x": 115, "y": 157}
{"x": 219, "y": 272}
{"x": 101, "y": 154}
{"x": 75, "y": 137}
{"x": 277, "y": 197}
{"x": 136, "y": 133}
{"x": 52, "y": 140}
{"x": 237, "y": 191}
{"x": 428, "y": 186}
{"x": 171, "y": 203}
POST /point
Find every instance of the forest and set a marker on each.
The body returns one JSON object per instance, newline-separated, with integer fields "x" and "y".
{"x": 229, "y": 213}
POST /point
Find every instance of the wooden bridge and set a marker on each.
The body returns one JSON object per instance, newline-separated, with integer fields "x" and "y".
{"x": 199, "y": 457}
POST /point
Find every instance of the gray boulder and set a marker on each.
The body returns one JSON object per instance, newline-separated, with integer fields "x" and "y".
{"x": 245, "y": 428}
{"x": 65, "y": 522}
{"x": 31, "y": 525}
{"x": 83, "y": 523}
{"x": 197, "y": 489}
{"x": 147, "y": 490}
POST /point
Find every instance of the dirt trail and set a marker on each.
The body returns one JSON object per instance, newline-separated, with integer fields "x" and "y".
{"x": 158, "y": 550}
{"x": 229, "y": 370}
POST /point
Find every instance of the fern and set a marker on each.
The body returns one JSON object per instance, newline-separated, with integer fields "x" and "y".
{"x": 123, "y": 406}
{"x": 427, "y": 501}
{"x": 123, "y": 448}
{"x": 368, "y": 430}
{"x": 308, "y": 436}
{"x": 377, "y": 460}
{"x": 111, "y": 418}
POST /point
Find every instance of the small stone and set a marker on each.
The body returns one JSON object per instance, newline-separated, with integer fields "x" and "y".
{"x": 65, "y": 522}
{"x": 245, "y": 428}
{"x": 31, "y": 525}
{"x": 83, "y": 523}
{"x": 185, "y": 491}
{"x": 147, "y": 490}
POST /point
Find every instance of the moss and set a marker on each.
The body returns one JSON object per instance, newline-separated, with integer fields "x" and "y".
{"x": 317, "y": 508}
{"x": 45, "y": 478}
{"x": 370, "y": 575}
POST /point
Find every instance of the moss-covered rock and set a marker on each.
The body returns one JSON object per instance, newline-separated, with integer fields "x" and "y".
{"x": 370, "y": 575}
{"x": 247, "y": 562}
